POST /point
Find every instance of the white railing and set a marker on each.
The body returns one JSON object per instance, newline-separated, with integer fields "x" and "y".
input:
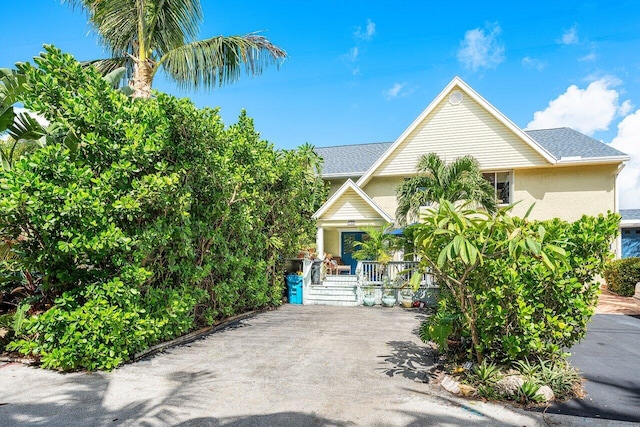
{"x": 398, "y": 273}
{"x": 371, "y": 275}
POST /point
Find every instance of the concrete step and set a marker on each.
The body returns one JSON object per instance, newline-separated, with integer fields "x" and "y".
{"x": 310, "y": 301}
{"x": 332, "y": 291}
{"x": 326, "y": 297}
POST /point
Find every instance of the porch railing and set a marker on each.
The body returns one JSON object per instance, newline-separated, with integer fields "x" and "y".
{"x": 398, "y": 272}
{"x": 371, "y": 276}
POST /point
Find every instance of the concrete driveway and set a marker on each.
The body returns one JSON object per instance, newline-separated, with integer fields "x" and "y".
{"x": 296, "y": 366}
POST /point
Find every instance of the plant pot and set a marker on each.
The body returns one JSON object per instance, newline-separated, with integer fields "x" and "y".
{"x": 406, "y": 299}
{"x": 369, "y": 300}
{"x": 388, "y": 301}
{"x": 407, "y": 303}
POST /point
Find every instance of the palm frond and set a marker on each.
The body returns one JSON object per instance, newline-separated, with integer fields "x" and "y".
{"x": 218, "y": 60}
{"x": 25, "y": 127}
{"x": 173, "y": 23}
{"x": 11, "y": 86}
{"x": 110, "y": 65}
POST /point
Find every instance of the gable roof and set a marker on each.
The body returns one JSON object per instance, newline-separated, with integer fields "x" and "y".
{"x": 562, "y": 143}
{"x": 570, "y": 144}
{"x": 350, "y": 160}
{"x": 350, "y": 185}
{"x": 457, "y": 83}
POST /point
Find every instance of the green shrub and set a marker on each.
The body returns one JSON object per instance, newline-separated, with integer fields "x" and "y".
{"x": 141, "y": 217}
{"x": 622, "y": 275}
{"x": 523, "y": 289}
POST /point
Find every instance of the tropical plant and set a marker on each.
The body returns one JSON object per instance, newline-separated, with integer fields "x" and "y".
{"x": 375, "y": 245}
{"x": 22, "y": 132}
{"x": 528, "y": 393}
{"x": 560, "y": 376}
{"x": 524, "y": 289}
{"x": 460, "y": 180}
{"x": 146, "y": 35}
{"x": 486, "y": 373}
{"x": 162, "y": 219}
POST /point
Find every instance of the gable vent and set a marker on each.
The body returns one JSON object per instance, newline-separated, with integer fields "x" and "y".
{"x": 455, "y": 98}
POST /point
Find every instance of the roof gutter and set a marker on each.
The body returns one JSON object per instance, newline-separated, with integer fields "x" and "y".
{"x": 578, "y": 160}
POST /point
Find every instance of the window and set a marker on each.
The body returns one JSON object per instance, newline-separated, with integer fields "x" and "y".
{"x": 501, "y": 182}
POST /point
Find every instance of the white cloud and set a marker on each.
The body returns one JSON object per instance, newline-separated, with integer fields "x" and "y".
{"x": 352, "y": 55}
{"x": 481, "y": 48}
{"x": 368, "y": 32}
{"x": 570, "y": 36}
{"x": 585, "y": 110}
{"x": 533, "y": 63}
{"x": 398, "y": 90}
{"x": 628, "y": 141}
{"x": 590, "y": 57}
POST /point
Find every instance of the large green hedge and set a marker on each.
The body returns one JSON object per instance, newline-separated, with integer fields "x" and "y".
{"x": 622, "y": 275}
{"x": 143, "y": 218}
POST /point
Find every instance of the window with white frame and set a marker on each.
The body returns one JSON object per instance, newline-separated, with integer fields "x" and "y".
{"x": 501, "y": 182}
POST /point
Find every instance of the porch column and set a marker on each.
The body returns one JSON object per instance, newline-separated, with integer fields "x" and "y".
{"x": 320, "y": 242}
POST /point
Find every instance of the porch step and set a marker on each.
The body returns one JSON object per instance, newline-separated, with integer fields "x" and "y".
{"x": 332, "y": 303}
{"x": 332, "y": 290}
{"x": 332, "y": 294}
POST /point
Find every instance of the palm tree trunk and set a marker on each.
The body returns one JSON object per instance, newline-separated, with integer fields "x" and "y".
{"x": 142, "y": 77}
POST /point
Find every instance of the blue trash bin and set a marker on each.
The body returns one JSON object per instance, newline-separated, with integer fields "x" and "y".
{"x": 294, "y": 285}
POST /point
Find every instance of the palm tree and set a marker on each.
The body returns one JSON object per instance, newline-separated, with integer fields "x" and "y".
{"x": 459, "y": 180}
{"x": 146, "y": 35}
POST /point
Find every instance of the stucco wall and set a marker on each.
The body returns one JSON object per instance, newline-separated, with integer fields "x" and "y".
{"x": 332, "y": 241}
{"x": 565, "y": 192}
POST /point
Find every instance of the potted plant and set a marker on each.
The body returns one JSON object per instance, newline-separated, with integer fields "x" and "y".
{"x": 388, "y": 293}
{"x": 406, "y": 298}
{"x": 369, "y": 297}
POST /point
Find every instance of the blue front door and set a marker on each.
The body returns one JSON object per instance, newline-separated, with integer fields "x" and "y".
{"x": 348, "y": 238}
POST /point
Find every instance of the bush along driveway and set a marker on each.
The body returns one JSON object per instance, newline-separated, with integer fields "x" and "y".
{"x": 298, "y": 365}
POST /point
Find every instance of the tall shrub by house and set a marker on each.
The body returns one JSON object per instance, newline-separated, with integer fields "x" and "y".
{"x": 513, "y": 289}
{"x": 143, "y": 218}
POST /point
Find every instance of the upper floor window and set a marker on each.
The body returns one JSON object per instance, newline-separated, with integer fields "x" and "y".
{"x": 501, "y": 182}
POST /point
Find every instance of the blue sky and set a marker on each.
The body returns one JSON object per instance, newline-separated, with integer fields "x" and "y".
{"x": 361, "y": 71}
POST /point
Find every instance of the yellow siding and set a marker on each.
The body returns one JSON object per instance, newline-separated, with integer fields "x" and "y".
{"x": 335, "y": 184}
{"x": 565, "y": 192}
{"x": 350, "y": 207}
{"x": 452, "y": 131}
{"x": 382, "y": 190}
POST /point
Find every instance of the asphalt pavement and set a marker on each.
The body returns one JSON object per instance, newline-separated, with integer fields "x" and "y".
{"x": 296, "y": 366}
{"x": 609, "y": 358}
{"x": 309, "y": 366}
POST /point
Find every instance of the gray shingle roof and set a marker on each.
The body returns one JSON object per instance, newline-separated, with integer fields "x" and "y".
{"x": 350, "y": 160}
{"x": 630, "y": 214}
{"x": 354, "y": 160}
{"x": 566, "y": 142}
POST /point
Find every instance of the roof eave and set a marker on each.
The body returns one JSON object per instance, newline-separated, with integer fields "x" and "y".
{"x": 342, "y": 175}
{"x": 593, "y": 160}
